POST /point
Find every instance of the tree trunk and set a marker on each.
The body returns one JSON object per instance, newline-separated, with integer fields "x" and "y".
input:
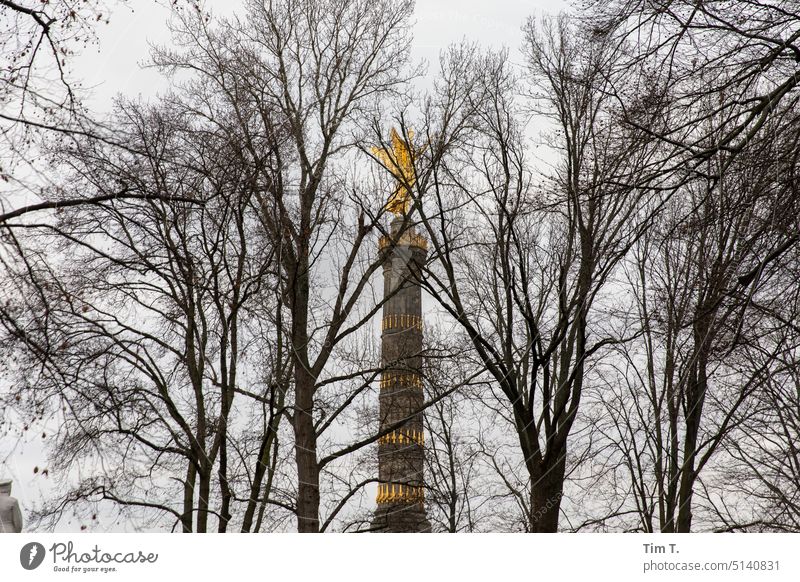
{"x": 696, "y": 393}
{"x": 305, "y": 435}
{"x": 260, "y": 472}
{"x": 202, "y": 506}
{"x": 546, "y": 492}
{"x": 306, "y": 453}
{"x": 188, "y": 498}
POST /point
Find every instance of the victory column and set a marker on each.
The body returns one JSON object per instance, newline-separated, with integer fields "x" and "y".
{"x": 401, "y": 493}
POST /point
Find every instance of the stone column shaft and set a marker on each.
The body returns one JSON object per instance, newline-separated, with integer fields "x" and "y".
{"x": 401, "y": 506}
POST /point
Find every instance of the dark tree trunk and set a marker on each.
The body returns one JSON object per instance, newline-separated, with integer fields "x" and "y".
{"x": 696, "y": 393}
{"x": 202, "y": 506}
{"x": 260, "y": 471}
{"x": 303, "y": 420}
{"x": 306, "y": 453}
{"x": 188, "y": 498}
{"x": 546, "y": 493}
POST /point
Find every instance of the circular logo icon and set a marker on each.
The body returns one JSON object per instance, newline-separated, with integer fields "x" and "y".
{"x": 31, "y": 555}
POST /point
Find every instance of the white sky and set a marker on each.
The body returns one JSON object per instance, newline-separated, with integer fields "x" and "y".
{"x": 114, "y": 64}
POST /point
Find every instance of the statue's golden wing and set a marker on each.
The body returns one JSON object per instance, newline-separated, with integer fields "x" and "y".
{"x": 399, "y": 160}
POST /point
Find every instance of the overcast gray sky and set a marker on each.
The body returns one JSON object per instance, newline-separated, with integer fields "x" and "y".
{"x": 113, "y": 65}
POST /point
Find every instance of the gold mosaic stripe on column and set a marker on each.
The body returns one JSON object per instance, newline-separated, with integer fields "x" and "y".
{"x": 401, "y": 321}
{"x": 399, "y": 493}
{"x": 412, "y": 240}
{"x": 403, "y": 437}
{"x": 400, "y": 379}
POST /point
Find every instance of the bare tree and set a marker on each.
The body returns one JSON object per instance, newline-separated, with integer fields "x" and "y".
{"x": 745, "y": 57}
{"x": 708, "y": 345}
{"x": 40, "y": 98}
{"x": 520, "y": 269}
{"x": 141, "y": 336}
{"x": 455, "y": 479}
{"x": 321, "y": 68}
{"x": 758, "y": 486}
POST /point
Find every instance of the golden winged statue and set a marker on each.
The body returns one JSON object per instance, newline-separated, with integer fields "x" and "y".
{"x": 399, "y": 160}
